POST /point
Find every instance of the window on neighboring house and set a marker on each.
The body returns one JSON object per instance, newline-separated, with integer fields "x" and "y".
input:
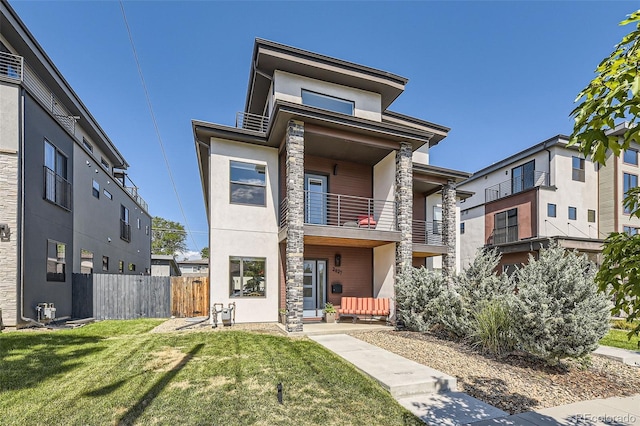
{"x": 330, "y": 103}
{"x": 630, "y": 230}
{"x": 629, "y": 181}
{"x": 96, "y": 189}
{"x": 146, "y": 229}
{"x": 577, "y": 169}
{"x": 573, "y": 213}
{"x": 138, "y": 222}
{"x": 104, "y": 163}
{"x": 631, "y": 156}
{"x": 56, "y": 253}
{"x": 121, "y": 266}
{"x": 551, "y": 210}
{"x": 105, "y": 263}
{"x": 86, "y": 262}
{"x": 56, "y": 187}
{"x": 522, "y": 177}
{"x": 132, "y": 267}
{"x": 461, "y": 227}
{"x": 107, "y": 194}
{"x": 248, "y": 183}
{"x": 505, "y": 228}
{"x": 437, "y": 220}
{"x": 87, "y": 145}
{"x": 247, "y": 277}
{"x": 125, "y": 228}
{"x": 591, "y": 216}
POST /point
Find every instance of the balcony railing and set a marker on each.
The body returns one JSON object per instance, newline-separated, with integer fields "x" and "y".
{"x": 125, "y": 231}
{"x": 427, "y": 232}
{"x": 133, "y": 191}
{"x": 57, "y": 189}
{"x": 515, "y": 185}
{"x": 338, "y": 210}
{"x": 246, "y": 120}
{"x": 11, "y": 67}
{"x": 504, "y": 235}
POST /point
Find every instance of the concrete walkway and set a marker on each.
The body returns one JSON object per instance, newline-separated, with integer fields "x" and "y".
{"x": 432, "y": 396}
{"x": 621, "y": 355}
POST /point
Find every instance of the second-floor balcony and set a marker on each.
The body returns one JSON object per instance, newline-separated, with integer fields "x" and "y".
{"x": 11, "y": 67}
{"x": 516, "y": 184}
{"x": 246, "y": 120}
{"x": 427, "y": 233}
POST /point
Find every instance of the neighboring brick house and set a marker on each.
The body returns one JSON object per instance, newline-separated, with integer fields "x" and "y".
{"x": 67, "y": 203}
{"x": 320, "y": 191}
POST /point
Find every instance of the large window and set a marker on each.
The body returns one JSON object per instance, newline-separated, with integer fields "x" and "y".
{"x": 86, "y": 262}
{"x": 522, "y": 177}
{"x": 505, "y": 227}
{"x": 631, "y": 157}
{"x": 247, "y": 277}
{"x": 248, "y": 183}
{"x": 629, "y": 181}
{"x": 56, "y": 187}
{"x": 577, "y": 169}
{"x": 327, "y": 102}
{"x": 56, "y": 253}
{"x": 125, "y": 228}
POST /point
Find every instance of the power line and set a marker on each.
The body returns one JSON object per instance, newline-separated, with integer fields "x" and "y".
{"x": 155, "y": 125}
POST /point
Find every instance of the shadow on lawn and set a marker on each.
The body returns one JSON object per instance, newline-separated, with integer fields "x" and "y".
{"x": 28, "y": 359}
{"x": 136, "y": 411}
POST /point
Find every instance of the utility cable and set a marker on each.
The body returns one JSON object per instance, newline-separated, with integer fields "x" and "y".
{"x": 155, "y": 125}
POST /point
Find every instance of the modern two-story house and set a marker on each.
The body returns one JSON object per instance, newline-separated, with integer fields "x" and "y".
{"x": 68, "y": 205}
{"x": 319, "y": 191}
{"x": 547, "y": 191}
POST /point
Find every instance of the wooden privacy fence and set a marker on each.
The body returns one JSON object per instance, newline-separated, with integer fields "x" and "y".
{"x": 189, "y": 296}
{"x": 117, "y": 296}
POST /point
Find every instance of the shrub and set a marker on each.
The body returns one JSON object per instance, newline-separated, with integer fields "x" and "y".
{"x": 418, "y": 297}
{"x": 493, "y": 327}
{"x": 559, "y": 312}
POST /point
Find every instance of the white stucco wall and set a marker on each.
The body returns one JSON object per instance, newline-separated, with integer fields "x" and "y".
{"x": 384, "y": 180}
{"x": 288, "y": 87}
{"x": 473, "y": 237}
{"x": 243, "y": 230}
{"x": 421, "y": 155}
{"x": 384, "y": 272}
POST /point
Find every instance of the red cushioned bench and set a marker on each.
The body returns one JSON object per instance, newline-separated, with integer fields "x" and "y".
{"x": 363, "y": 306}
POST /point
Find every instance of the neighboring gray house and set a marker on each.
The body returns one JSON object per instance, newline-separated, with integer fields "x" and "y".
{"x": 194, "y": 267}
{"x": 67, "y": 203}
{"x": 164, "y": 265}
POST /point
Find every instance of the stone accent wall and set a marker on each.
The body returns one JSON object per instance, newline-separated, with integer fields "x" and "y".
{"x": 294, "y": 152}
{"x": 404, "y": 202}
{"x": 9, "y": 247}
{"x": 449, "y": 230}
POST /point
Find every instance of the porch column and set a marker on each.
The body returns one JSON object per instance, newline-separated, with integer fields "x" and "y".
{"x": 449, "y": 230}
{"x": 294, "y": 147}
{"x": 404, "y": 202}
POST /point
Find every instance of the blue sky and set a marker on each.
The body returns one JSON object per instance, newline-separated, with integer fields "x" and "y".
{"x": 502, "y": 75}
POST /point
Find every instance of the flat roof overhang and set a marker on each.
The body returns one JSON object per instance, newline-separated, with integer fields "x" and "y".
{"x": 429, "y": 179}
{"x": 428, "y": 250}
{"x": 535, "y": 244}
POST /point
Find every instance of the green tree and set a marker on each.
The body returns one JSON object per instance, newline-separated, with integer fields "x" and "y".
{"x": 168, "y": 237}
{"x": 204, "y": 253}
{"x": 611, "y": 98}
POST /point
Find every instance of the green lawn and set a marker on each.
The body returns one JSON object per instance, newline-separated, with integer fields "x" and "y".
{"x": 619, "y": 339}
{"x": 114, "y": 372}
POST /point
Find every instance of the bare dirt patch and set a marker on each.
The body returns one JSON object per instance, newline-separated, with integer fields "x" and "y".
{"x": 165, "y": 360}
{"x": 516, "y": 383}
{"x": 184, "y": 325}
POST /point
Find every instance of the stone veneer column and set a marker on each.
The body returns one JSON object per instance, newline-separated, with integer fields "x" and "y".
{"x": 294, "y": 151}
{"x": 404, "y": 202}
{"x": 9, "y": 246}
{"x": 449, "y": 230}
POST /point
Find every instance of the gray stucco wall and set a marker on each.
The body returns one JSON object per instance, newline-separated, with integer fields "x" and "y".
{"x": 44, "y": 220}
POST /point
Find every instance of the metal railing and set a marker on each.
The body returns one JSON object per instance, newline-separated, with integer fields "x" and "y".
{"x": 246, "y": 120}
{"x": 427, "y": 232}
{"x": 504, "y": 235}
{"x": 57, "y": 189}
{"x": 11, "y": 67}
{"x": 125, "y": 231}
{"x": 515, "y": 185}
{"x": 133, "y": 191}
{"x": 337, "y": 210}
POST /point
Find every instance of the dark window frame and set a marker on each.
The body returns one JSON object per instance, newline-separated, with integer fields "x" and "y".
{"x": 248, "y": 184}
{"x": 341, "y": 101}
{"x": 555, "y": 210}
{"x": 53, "y": 264}
{"x": 251, "y": 294}
{"x": 591, "y": 216}
{"x": 577, "y": 173}
{"x": 626, "y": 186}
{"x": 575, "y": 213}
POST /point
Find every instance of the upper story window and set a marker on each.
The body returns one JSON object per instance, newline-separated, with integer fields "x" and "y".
{"x": 56, "y": 187}
{"x": 577, "y": 169}
{"x": 104, "y": 163}
{"x": 96, "y": 189}
{"x": 551, "y": 210}
{"x": 505, "y": 228}
{"x": 248, "y": 183}
{"x": 629, "y": 181}
{"x": 327, "y": 102}
{"x": 630, "y": 230}
{"x": 87, "y": 144}
{"x": 125, "y": 228}
{"x": 522, "y": 177}
{"x": 631, "y": 156}
{"x": 591, "y": 216}
{"x": 573, "y": 213}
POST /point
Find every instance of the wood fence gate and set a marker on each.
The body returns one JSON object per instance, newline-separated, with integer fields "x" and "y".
{"x": 189, "y": 296}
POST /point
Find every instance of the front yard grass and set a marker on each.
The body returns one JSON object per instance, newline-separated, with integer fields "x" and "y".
{"x": 115, "y": 372}
{"x": 619, "y": 339}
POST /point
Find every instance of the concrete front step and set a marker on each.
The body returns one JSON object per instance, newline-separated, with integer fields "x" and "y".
{"x": 400, "y": 376}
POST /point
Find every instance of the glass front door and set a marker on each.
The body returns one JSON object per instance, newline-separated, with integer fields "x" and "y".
{"x": 314, "y": 286}
{"x": 315, "y": 203}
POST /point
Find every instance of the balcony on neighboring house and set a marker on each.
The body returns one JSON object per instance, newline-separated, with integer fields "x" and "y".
{"x": 11, "y": 67}
{"x": 516, "y": 184}
{"x": 125, "y": 231}
{"x": 427, "y": 233}
{"x": 57, "y": 189}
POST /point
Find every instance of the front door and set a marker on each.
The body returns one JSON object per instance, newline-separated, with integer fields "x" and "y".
{"x": 315, "y": 202}
{"x": 314, "y": 285}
